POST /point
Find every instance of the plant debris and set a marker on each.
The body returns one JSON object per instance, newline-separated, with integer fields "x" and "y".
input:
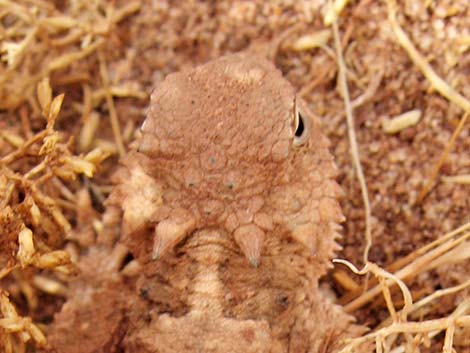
{"x": 75, "y": 78}
{"x": 402, "y": 121}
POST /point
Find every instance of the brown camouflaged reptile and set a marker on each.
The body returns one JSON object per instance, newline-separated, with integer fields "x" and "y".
{"x": 230, "y": 206}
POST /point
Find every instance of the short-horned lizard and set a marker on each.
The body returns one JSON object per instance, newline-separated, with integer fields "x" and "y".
{"x": 230, "y": 206}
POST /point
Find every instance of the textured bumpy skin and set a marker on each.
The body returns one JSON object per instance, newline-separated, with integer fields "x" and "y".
{"x": 232, "y": 211}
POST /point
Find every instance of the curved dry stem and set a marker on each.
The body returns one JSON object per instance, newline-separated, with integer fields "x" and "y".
{"x": 112, "y": 109}
{"x": 436, "y": 82}
{"x": 442, "y": 158}
{"x": 415, "y": 333}
{"x": 386, "y": 279}
{"x": 419, "y": 265}
{"x": 343, "y": 85}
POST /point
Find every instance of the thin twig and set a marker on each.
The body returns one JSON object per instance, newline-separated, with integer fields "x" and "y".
{"x": 352, "y": 138}
{"x": 411, "y": 327}
{"x": 436, "y": 82}
{"x": 463, "y": 179}
{"x": 442, "y": 159}
{"x": 416, "y": 267}
{"x": 112, "y": 109}
{"x": 426, "y": 248}
{"x": 429, "y": 299}
{"x": 22, "y": 150}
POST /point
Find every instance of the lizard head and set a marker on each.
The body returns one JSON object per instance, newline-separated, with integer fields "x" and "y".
{"x": 226, "y": 145}
{"x": 228, "y": 168}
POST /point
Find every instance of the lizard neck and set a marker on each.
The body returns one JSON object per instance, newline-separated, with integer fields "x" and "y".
{"x": 207, "y": 287}
{"x": 208, "y": 275}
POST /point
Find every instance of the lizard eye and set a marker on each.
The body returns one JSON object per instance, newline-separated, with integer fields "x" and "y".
{"x": 301, "y": 126}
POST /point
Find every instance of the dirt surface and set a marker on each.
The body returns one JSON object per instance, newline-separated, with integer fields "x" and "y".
{"x": 120, "y": 50}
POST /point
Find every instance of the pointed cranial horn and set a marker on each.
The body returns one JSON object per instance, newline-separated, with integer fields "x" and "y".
{"x": 171, "y": 231}
{"x": 250, "y": 239}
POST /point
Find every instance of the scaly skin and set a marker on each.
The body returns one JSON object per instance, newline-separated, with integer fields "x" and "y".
{"x": 232, "y": 216}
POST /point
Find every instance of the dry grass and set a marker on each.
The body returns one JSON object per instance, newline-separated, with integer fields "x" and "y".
{"x": 33, "y": 225}
{"x": 331, "y": 16}
{"x": 95, "y": 54}
{"x": 397, "y": 333}
{"x": 409, "y": 322}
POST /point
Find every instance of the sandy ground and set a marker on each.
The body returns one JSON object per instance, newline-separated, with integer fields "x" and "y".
{"x": 106, "y": 56}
